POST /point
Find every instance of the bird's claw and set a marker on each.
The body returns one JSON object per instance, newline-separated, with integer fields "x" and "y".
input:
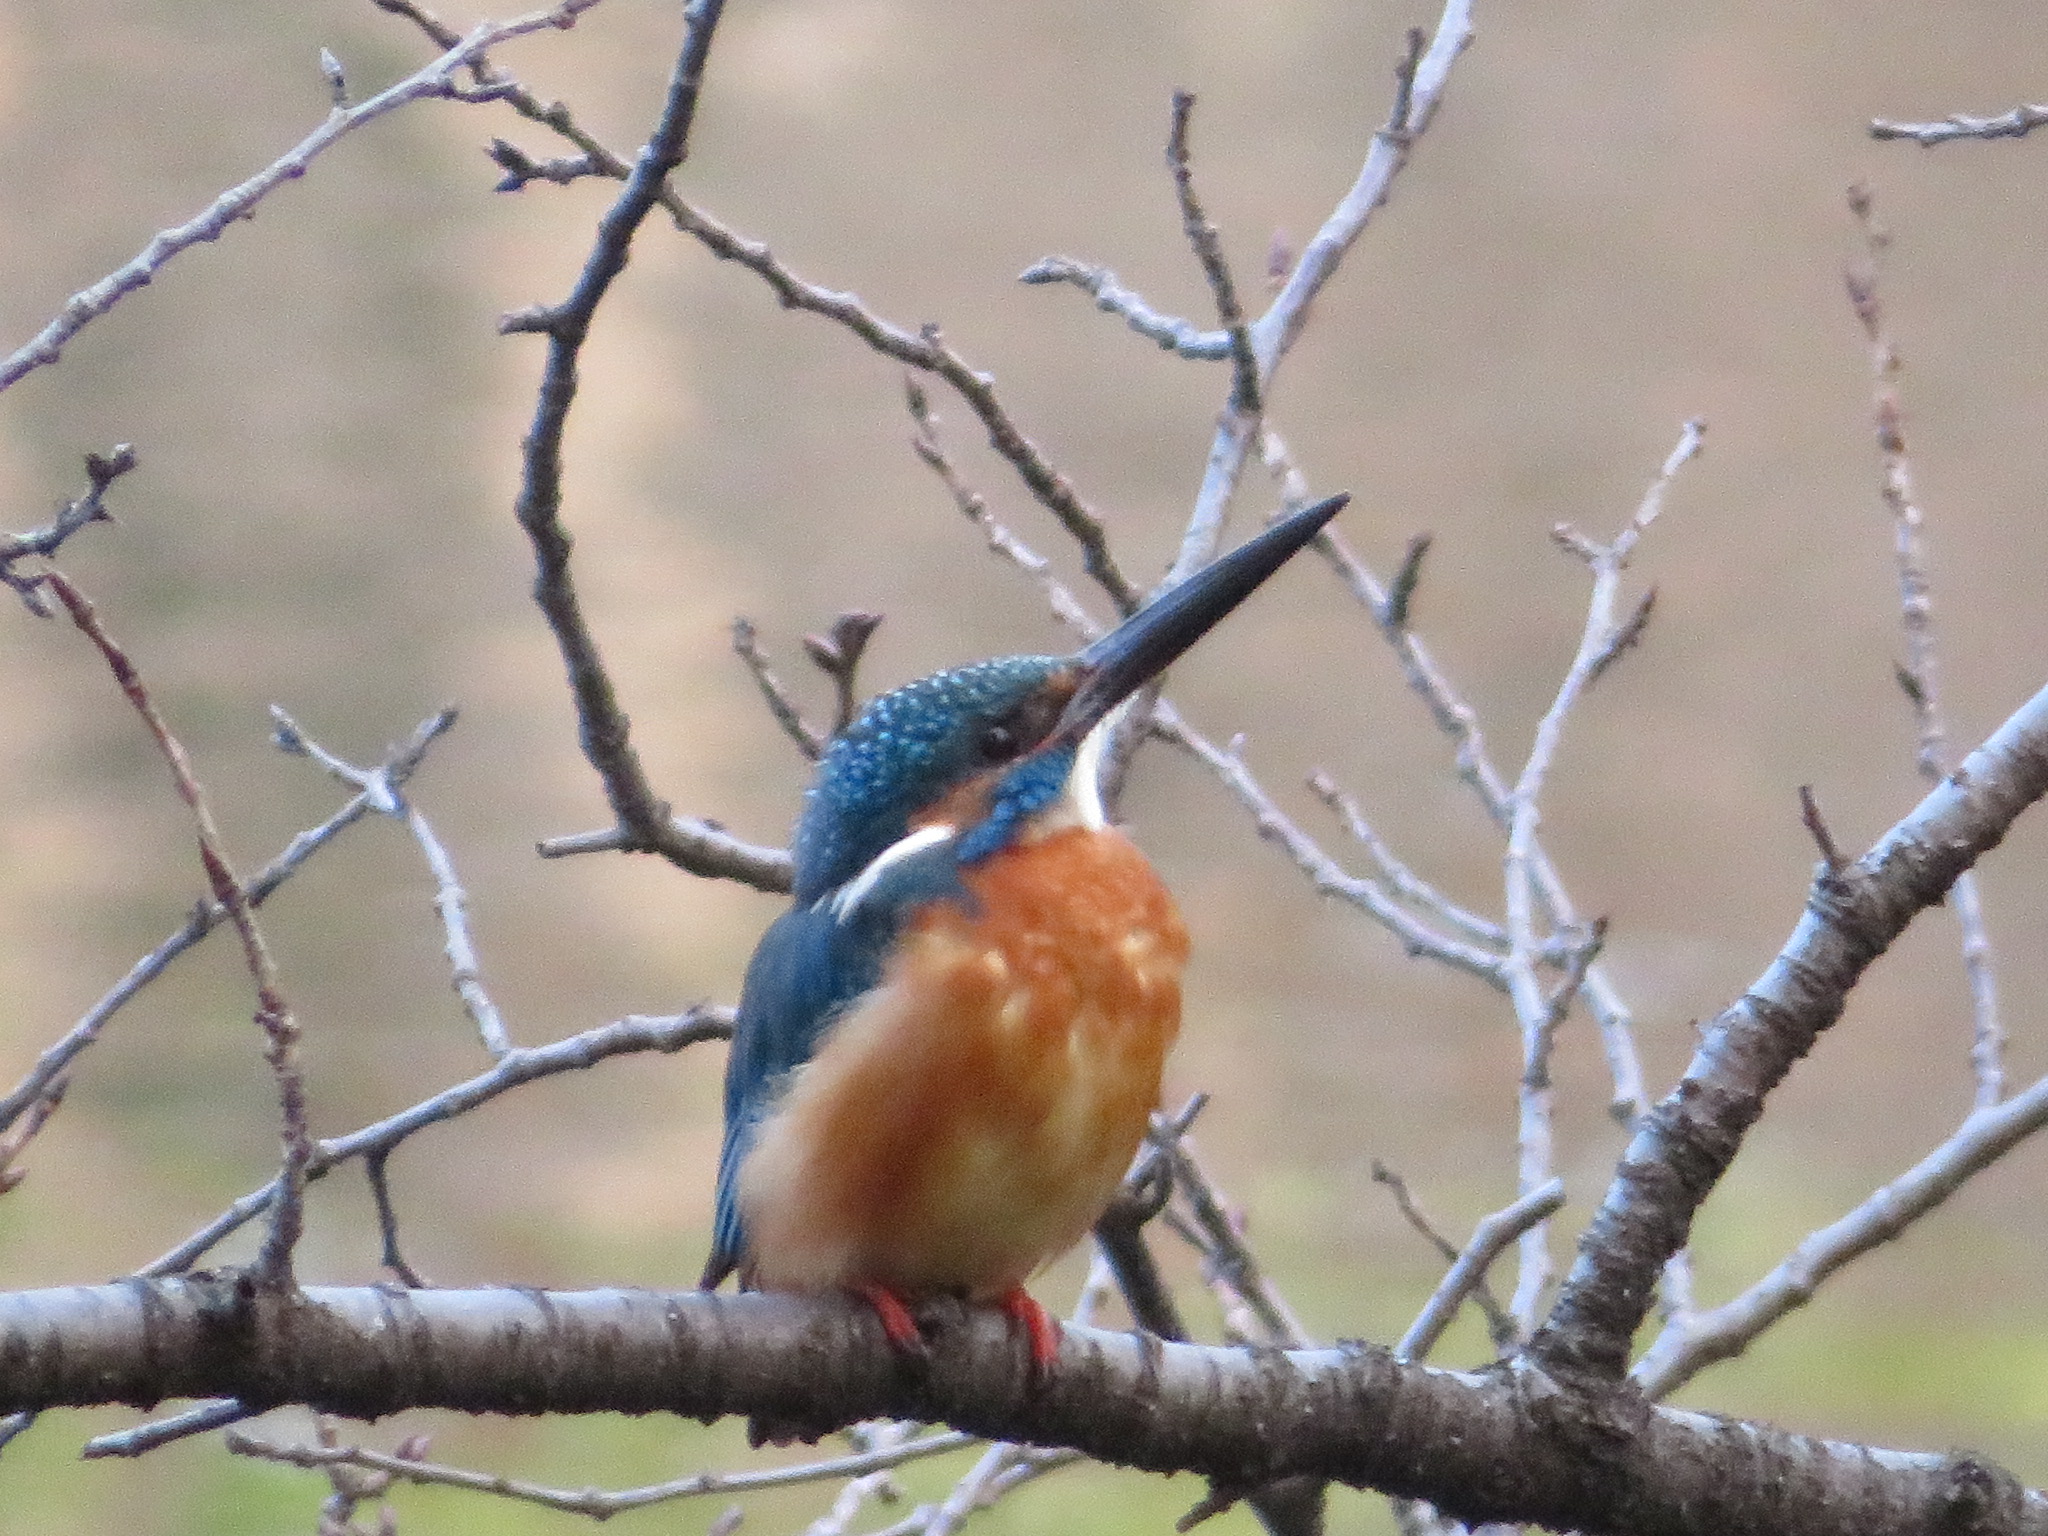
{"x": 900, "y": 1328}
{"x": 1040, "y": 1327}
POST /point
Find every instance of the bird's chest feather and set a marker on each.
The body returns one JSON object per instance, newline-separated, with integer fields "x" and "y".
{"x": 970, "y": 1117}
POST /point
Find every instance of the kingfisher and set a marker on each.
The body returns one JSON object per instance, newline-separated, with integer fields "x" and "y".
{"x": 949, "y": 1047}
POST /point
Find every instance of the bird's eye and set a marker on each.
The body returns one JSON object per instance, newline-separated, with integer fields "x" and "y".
{"x": 998, "y": 743}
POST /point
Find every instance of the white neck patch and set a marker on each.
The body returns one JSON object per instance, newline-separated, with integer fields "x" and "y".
{"x": 849, "y": 896}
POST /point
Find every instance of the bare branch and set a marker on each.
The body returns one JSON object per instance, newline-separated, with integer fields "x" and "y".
{"x": 1066, "y": 607}
{"x": 1457, "y": 719}
{"x": 2018, "y": 123}
{"x": 521, "y": 1065}
{"x": 643, "y": 820}
{"x": 100, "y": 472}
{"x": 1920, "y": 673}
{"x": 1682, "y": 1350}
{"x": 1246, "y": 395}
{"x": 1328, "y": 877}
{"x": 451, "y": 902}
{"x": 273, "y": 1016}
{"x": 1111, "y": 297}
{"x": 1231, "y": 1264}
{"x": 237, "y": 203}
{"x": 144, "y": 1438}
{"x": 705, "y": 849}
{"x": 1602, "y": 638}
{"x": 377, "y": 1173}
{"x": 395, "y": 770}
{"x": 837, "y": 654}
{"x": 1468, "y": 1271}
{"x": 1401, "y": 880}
{"x": 1817, "y": 828}
{"x": 1351, "y": 1413}
{"x": 746, "y": 645}
{"x": 599, "y": 1504}
{"x": 16, "y": 1138}
{"x": 1850, "y": 919}
{"x": 1500, "y": 1326}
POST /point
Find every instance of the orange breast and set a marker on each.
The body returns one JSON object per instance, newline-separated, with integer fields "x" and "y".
{"x": 971, "y": 1117}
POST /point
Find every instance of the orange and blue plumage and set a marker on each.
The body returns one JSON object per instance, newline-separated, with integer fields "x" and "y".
{"x": 948, "y": 1048}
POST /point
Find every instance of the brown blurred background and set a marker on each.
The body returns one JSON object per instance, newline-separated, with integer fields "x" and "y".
{"x": 1624, "y": 216}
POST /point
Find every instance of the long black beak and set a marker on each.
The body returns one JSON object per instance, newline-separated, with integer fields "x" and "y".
{"x": 1154, "y": 637}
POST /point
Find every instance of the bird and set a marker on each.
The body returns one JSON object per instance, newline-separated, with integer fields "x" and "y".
{"x": 947, "y": 1050}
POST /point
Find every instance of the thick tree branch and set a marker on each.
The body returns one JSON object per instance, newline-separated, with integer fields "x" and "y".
{"x": 1690, "y": 1138}
{"x": 1508, "y": 1445}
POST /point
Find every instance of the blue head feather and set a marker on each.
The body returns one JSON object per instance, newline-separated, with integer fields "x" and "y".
{"x": 904, "y": 752}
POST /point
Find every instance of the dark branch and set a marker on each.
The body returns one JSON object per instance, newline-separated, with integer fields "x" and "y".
{"x": 643, "y": 819}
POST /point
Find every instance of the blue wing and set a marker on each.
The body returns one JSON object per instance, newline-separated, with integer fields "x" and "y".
{"x": 811, "y": 966}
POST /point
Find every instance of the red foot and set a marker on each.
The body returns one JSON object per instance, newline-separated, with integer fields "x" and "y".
{"x": 1039, "y": 1325}
{"x": 894, "y": 1317}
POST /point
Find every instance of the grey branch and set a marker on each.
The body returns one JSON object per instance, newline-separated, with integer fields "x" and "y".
{"x": 598, "y": 1503}
{"x": 1685, "y": 1348}
{"x": 521, "y": 1065}
{"x": 214, "y": 220}
{"x": 1534, "y": 1012}
{"x": 1481, "y": 1446}
{"x": 451, "y": 902}
{"x": 1468, "y": 1271}
{"x": 101, "y": 471}
{"x": 1173, "y": 333}
{"x": 273, "y": 1015}
{"x": 2016, "y": 124}
{"x": 205, "y": 918}
{"x": 702, "y": 847}
{"x": 1851, "y": 917}
{"x": 1459, "y": 721}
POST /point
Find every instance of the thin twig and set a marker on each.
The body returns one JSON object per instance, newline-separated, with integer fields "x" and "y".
{"x": 1920, "y": 673}
{"x": 521, "y": 1065}
{"x": 1500, "y": 1327}
{"x": 1457, "y": 719}
{"x": 1533, "y": 1011}
{"x": 273, "y": 1016}
{"x": 1817, "y": 828}
{"x": 144, "y": 1438}
{"x": 837, "y": 654}
{"x": 1489, "y": 1240}
{"x": 375, "y": 1171}
{"x": 643, "y": 820}
{"x": 1399, "y": 878}
{"x": 1173, "y": 333}
{"x": 1246, "y": 395}
{"x": 1066, "y": 607}
{"x": 1331, "y": 879}
{"x": 100, "y": 472}
{"x": 595, "y": 1502}
{"x": 395, "y": 770}
{"x": 925, "y": 349}
{"x": 14, "y": 1141}
{"x": 451, "y": 901}
{"x": 210, "y": 223}
{"x": 1683, "y": 1350}
{"x": 1231, "y": 1263}
{"x": 2019, "y": 122}
{"x": 746, "y": 645}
